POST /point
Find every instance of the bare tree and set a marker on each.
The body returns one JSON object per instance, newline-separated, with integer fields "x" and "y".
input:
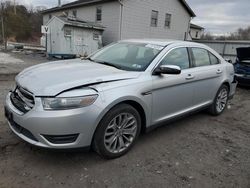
{"x": 243, "y": 34}
{"x": 240, "y": 34}
{"x": 22, "y": 24}
{"x": 207, "y": 36}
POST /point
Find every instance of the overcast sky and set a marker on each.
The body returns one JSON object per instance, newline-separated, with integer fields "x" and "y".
{"x": 221, "y": 16}
{"x": 217, "y": 16}
{"x": 47, "y": 3}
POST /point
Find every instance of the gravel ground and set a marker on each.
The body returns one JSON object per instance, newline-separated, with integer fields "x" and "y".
{"x": 197, "y": 151}
{"x": 12, "y": 63}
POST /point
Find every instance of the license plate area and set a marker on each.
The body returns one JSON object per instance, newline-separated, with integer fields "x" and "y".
{"x": 8, "y": 115}
{"x": 19, "y": 129}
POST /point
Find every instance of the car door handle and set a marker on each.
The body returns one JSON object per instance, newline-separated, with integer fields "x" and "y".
{"x": 218, "y": 71}
{"x": 190, "y": 77}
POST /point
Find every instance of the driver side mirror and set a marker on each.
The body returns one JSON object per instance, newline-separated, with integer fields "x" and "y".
{"x": 167, "y": 69}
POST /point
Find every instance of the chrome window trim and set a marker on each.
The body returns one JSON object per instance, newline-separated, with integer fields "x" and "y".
{"x": 159, "y": 61}
{"x": 181, "y": 46}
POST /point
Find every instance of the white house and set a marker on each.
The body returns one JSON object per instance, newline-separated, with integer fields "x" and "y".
{"x": 124, "y": 19}
{"x": 69, "y": 35}
{"x": 195, "y": 31}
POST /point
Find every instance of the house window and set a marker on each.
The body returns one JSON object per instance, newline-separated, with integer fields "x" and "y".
{"x": 154, "y": 18}
{"x": 168, "y": 20}
{"x": 67, "y": 32}
{"x": 50, "y": 16}
{"x": 197, "y": 34}
{"x": 98, "y": 14}
{"x": 75, "y": 13}
{"x": 95, "y": 36}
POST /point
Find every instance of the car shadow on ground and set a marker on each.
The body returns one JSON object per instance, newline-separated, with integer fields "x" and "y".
{"x": 151, "y": 138}
{"x": 247, "y": 88}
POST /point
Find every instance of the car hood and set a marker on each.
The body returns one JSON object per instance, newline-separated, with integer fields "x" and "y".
{"x": 50, "y": 79}
{"x": 243, "y": 53}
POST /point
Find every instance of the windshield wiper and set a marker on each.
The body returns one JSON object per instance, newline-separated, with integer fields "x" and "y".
{"x": 104, "y": 63}
{"x": 89, "y": 58}
{"x": 109, "y": 64}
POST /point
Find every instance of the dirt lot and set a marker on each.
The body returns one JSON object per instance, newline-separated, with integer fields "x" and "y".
{"x": 13, "y": 63}
{"x": 197, "y": 151}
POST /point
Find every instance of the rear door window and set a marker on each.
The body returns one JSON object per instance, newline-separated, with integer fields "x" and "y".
{"x": 201, "y": 57}
{"x": 213, "y": 59}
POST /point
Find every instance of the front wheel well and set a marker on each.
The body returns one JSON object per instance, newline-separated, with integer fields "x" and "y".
{"x": 227, "y": 84}
{"x": 137, "y": 106}
{"x": 140, "y": 110}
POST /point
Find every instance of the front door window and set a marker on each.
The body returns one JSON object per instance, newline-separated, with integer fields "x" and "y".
{"x": 178, "y": 57}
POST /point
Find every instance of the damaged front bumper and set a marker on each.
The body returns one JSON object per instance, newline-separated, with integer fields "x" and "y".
{"x": 63, "y": 129}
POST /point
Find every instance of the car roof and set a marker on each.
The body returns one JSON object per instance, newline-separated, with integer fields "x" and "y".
{"x": 163, "y": 42}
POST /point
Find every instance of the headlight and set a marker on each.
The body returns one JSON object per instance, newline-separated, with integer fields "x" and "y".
{"x": 68, "y": 103}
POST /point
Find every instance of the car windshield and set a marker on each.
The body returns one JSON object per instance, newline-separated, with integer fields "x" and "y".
{"x": 127, "y": 56}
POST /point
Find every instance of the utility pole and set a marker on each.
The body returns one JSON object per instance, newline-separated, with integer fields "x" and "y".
{"x": 15, "y": 7}
{"x": 3, "y": 31}
{"x": 59, "y": 3}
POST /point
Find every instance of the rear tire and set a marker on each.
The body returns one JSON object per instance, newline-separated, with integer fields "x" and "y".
{"x": 117, "y": 132}
{"x": 220, "y": 101}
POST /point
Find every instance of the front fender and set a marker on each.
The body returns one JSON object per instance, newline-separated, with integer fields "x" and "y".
{"x": 123, "y": 99}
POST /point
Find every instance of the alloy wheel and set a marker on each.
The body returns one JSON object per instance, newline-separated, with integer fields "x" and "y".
{"x": 221, "y": 101}
{"x": 120, "y": 133}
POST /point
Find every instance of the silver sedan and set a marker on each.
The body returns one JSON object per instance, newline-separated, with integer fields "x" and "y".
{"x": 106, "y": 100}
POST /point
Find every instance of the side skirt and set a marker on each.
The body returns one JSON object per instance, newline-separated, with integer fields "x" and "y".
{"x": 173, "y": 119}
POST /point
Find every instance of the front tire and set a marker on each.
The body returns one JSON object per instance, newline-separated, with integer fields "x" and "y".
{"x": 220, "y": 101}
{"x": 117, "y": 132}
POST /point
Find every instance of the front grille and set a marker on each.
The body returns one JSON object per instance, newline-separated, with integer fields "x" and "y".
{"x": 22, "y": 99}
{"x": 61, "y": 139}
{"x": 22, "y": 131}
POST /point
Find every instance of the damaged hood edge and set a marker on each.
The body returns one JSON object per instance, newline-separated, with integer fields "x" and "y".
{"x": 51, "y": 79}
{"x": 89, "y": 85}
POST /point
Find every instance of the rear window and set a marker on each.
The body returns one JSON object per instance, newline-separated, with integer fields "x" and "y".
{"x": 213, "y": 59}
{"x": 201, "y": 57}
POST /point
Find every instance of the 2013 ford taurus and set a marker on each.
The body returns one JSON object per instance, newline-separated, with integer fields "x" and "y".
{"x": 108, "y": 99}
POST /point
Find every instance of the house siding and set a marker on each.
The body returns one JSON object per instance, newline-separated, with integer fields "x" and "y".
{"x": 136, "y": 19}
{"x": 110, "y": 18}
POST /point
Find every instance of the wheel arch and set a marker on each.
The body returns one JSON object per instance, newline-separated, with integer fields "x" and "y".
{"x": 140, "y": 110}
{"x": 135, "y": 103}
{"x": 226, "y": 83}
